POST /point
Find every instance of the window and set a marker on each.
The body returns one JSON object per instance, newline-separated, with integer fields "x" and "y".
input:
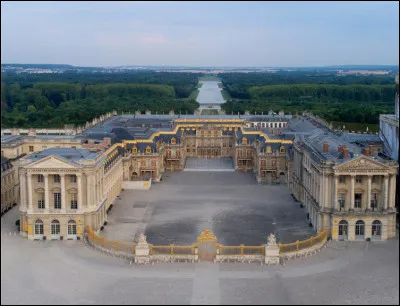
{"x": 374, "y": 201}
{"x": 40, "y": 178}
{"x": 342, "y": 201}
{"x": 73, "y": 178}
{"x": 357, "y": 200}
{"x": 148, "y": 149}
{"x": 134, "y": 150}
{"x": 71, "y": 227}
{"x": 282, "y": 149}
{"x": 343, "y": 226}
{"x": 342, "y": 179}
{"x": 375, "y": 179}
{"x": 30, "y": 148}
{"x": 57, "y": 178}
{"x": 57, "y": 200}
{"x": 376, "y": 228}
{"x": 39, "y": 227}
{"x": 360, "y": 227}
{"x": 74, "y": 202}
{"x": 41, "y": 201}
{"x": 55, "y": 227}
{"x": 358, "y": 179}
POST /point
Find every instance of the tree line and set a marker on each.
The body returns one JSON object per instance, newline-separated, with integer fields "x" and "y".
{"x": 35, "y": 101}
{"x": 349, "y": 98}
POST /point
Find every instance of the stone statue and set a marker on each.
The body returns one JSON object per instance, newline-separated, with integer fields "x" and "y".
{"x": 271, "y": 239}
{"x": 142, "y": 239}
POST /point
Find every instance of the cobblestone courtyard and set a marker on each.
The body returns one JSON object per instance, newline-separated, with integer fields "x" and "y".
{"x": 231, "y": 204}
{"x": 70, "y": 272}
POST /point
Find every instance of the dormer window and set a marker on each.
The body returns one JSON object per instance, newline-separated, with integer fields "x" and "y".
{"x": 148, "y": 150}
{"x": 244, "y": 140}
{"x": 134, "y": 150}
{"x": 269, "y": 149}
{"x": 173, "y": 141}
{"x": 282, "y": 149}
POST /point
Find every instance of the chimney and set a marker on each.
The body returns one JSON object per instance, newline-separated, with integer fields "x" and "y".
{"x": 107, "y": 140}
{"x": 371, "y": 149}
{"x": 326, "y": 147}
{"x": 340, "y": 148}
{"x": 345, "y": 152}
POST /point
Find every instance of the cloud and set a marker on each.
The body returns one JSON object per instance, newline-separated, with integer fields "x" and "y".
{"x": 154, "y": 38}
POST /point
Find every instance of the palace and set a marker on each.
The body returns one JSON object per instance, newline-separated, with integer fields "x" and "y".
{"x": 69, "y": 182}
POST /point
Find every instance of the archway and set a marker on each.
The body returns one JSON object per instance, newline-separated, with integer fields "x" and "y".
{"x": 376, "y": 230}
{"x": 343, "y": 230}
{"x": 360, "y": 230}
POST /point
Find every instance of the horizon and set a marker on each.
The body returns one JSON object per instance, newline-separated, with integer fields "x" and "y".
{"x": 203, "y": 67}
{"x": 201, "y": 34}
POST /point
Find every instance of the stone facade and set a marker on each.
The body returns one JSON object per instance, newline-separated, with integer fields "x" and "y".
{"x": 348, "y": 193}
{"x": 62, "y": 194}
{"x": 9, "y": 185}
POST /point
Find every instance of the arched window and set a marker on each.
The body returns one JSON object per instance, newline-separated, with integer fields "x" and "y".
{"x": 134, "y": 150}
{"x": 55, "y": 227}
{"x": 71, "y": 227}
{"x": 376, "y": 229}
{"x": 360, "y": 229}
{"x": 269, "y": 149}
{"x": 244, "y": 140}
{"x": 39, "y": 227}
{"x": 173, "y": 140}
{"x": 343, "y": 230}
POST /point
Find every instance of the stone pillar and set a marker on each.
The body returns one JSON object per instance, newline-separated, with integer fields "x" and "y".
{"x": 369, "y": 180}
{"x": 46, "y": 193}
{"x": 271, "y": 251}
{"x": 385, "y": 193}
{"x": 24, "y": 200}
{"x": 142, "y": 251}
{"x": 89, "y": 190}
{"x": 335, "y": 203}
{"x": 63, "y": 193}
{"x": 392, "y": 191}
{"x": 30, "y": 193}
{"x": 352, "y": 179}
{"x": 80, "y": 198}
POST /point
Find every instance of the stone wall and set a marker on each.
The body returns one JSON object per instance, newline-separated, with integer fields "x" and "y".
{"x": 138, "y": 185}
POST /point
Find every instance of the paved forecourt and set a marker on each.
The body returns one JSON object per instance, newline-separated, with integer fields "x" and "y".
{"x": 70, "y": 272}
{"x": 231, "y": 204}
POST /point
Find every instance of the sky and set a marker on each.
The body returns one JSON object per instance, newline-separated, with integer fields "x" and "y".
{"x": 269, "y": 34}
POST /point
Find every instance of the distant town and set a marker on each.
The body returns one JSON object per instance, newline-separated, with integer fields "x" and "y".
{"x": 54, "y": 68}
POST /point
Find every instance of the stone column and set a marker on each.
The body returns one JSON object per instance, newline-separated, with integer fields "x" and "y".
{"x": 385, "y": 193}
{"x": 30, "y": 193}
{"x": 369, "y": 179}
{"x": 352, "y": 179}
{"x": 80, "y": 198}
{"x": 63, "y": 193}
{"x": 392, "y": 191}
{"x": 24, "y": 200}
{"x": 89, "y": 190}
{"x": 335, "y": 203}
{"x": 46, "y": 193}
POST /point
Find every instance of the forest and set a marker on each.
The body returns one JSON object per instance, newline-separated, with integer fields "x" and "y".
{"x": 52, "y": 100}
{"x": 351, "y": 98}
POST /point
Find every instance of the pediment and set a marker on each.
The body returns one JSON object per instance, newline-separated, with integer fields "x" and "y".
{"x": 52, "y": 162}
{"x": 361, "y": 164}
